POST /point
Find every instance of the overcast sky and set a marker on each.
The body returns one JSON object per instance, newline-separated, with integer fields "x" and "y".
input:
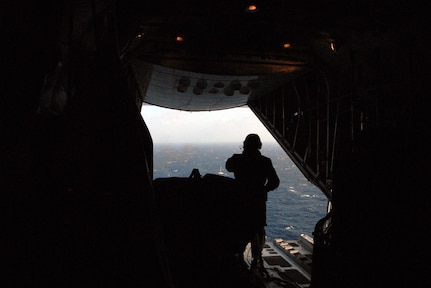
{"x": 231, "y": 125}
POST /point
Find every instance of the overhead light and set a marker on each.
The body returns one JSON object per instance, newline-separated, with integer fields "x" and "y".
{"x": 179, "y": 38}
{"x": 329, "y": 39}
{"x": 251, "y": 8}
{"x": 333, "y": 46}
{"x": 286, "y": 45}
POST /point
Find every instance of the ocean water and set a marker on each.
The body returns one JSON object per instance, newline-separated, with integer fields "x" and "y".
{"x": 292, "y": 209}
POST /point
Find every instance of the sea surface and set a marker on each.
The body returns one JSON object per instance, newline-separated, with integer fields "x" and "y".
{"x": 292, "y": 209}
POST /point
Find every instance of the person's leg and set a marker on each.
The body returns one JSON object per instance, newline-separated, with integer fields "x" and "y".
{"x": 257, "y": 244}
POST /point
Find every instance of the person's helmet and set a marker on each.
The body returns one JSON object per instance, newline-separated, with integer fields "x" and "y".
{"x": 252, "y": 142}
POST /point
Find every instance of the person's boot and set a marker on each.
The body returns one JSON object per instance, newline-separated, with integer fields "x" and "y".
{"x": 257, "y": 267}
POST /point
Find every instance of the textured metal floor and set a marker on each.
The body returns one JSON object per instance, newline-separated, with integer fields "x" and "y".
{"x": 284, "y": 267}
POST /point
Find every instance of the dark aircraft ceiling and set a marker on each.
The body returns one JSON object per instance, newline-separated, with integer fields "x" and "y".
{"x": 210, "y": 55}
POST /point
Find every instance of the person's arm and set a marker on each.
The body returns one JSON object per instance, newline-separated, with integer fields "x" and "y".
{"x": 230, "y": 164}
{"x": 273, "y": 180}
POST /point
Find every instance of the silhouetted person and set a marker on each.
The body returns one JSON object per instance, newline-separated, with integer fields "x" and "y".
{"x": 258, "y": 175}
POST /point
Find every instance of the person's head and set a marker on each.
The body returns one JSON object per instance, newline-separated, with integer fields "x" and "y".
{"x": 252, "y": 142}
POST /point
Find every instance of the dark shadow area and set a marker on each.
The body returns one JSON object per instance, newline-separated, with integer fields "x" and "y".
{"x": 380, "y": 214}
{"x": 205, "y": 222}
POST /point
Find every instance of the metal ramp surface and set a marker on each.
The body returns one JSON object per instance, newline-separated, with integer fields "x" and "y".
{"x": 287, "y": 263}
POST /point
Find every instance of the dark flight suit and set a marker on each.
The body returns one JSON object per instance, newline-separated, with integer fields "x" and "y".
{"x": 257, "y": 173}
